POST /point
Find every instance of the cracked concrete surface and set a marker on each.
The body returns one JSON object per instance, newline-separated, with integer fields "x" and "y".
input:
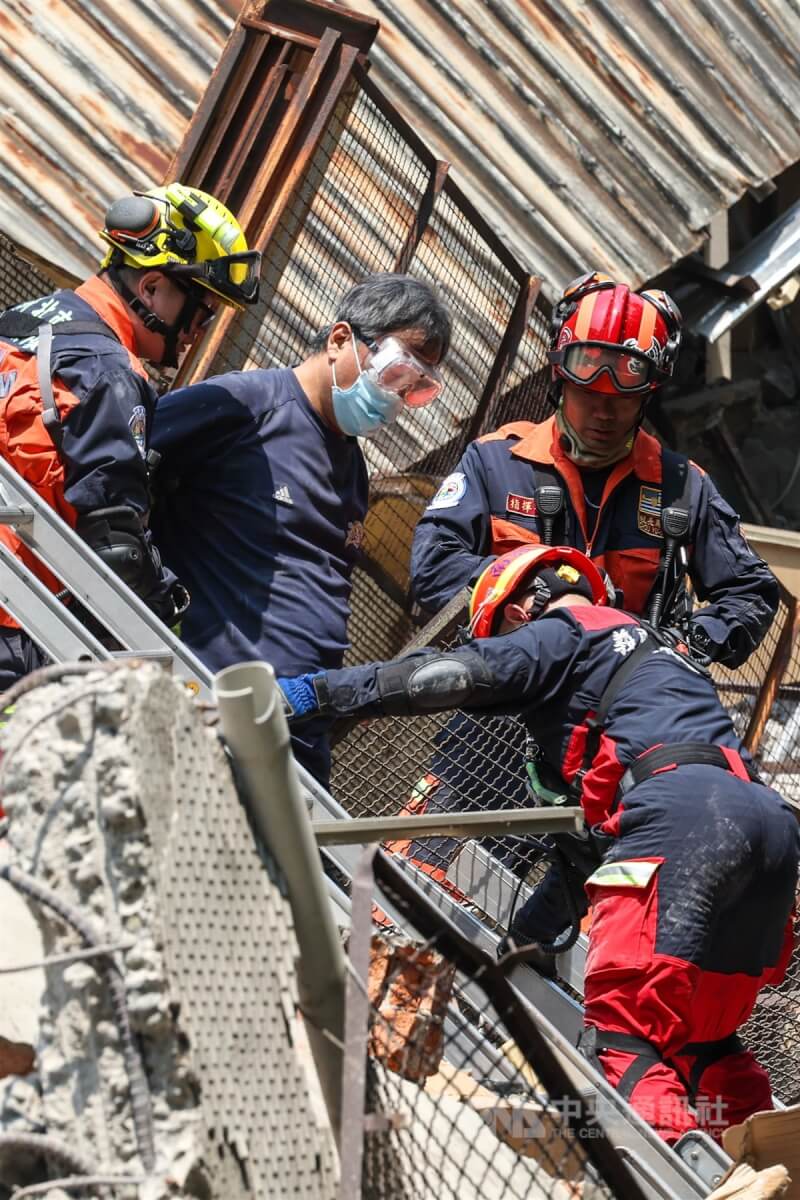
{"x": 120, "y": 801}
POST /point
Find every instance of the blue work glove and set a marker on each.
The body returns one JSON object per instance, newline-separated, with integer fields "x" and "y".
{"x": 299, "y": 695}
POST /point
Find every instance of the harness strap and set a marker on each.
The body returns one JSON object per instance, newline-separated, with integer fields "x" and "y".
{"x": 50, "y": 415}
{"x": 596, "y": 724}
{"x": 707, "y": 1054}
{"x": 683, "y": 754}
{"x": 594, "y": 1041}
{"x": 18, "y": 326}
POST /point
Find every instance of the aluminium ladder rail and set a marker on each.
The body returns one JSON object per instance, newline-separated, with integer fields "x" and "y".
{"x": 49, "y": 622}
{"x": 662, "y": 1174}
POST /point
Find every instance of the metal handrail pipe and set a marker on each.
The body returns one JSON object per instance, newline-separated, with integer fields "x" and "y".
{"x": 256, "y": 731}
{"x": 516, "y": 822}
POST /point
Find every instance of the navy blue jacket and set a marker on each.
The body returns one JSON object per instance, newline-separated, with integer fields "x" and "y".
{"x": 487, "y": 507}
{"x": 261, "y": 515}
{"x": 556, "y": 670}
{"x": 105, "y": 402}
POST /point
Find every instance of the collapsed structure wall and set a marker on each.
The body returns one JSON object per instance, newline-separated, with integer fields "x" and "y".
{"x": 122, "y": 807}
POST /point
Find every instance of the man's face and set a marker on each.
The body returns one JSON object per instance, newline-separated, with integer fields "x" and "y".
{"x": 601, "y": 420}
{"x": 354, "y": 355}
{"x": 167, "y": 298}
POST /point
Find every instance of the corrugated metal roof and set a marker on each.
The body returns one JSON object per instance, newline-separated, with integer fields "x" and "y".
{"x": 94, "y": 98}
{"x": 591, "y": 132}
{"x": 598, "y": 132}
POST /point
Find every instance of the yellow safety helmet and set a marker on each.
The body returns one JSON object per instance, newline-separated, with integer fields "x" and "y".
{"x": 187, "y": 234}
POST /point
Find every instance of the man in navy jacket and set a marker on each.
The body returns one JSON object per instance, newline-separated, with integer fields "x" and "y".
{"x": 264, "y": 486}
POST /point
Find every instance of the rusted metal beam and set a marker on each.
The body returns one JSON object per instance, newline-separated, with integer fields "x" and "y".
{"x": 261, "y": 121}
{"x": 777, "y": 669}
{"x": 310, "y": 19}
{"x": 423, "y": 214}
{"x": 507, "y": 350}
{"x": 197, "y": 132}
{"x": 294, "y": 138}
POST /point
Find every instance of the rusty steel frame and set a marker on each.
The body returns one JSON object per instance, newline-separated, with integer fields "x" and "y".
{"x": 777, "y": 669}
{"x": 252, "y": 138}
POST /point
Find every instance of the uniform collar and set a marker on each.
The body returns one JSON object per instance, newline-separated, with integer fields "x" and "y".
{"x": 541, "y": 445}
{"x": 111, "y": 308}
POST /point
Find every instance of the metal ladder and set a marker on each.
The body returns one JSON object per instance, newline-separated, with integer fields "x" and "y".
{"x": 85, "y": 576}
{"x": 663, "y": 1174}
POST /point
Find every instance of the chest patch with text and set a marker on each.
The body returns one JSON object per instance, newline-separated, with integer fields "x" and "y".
{"x": 523, "y": 506}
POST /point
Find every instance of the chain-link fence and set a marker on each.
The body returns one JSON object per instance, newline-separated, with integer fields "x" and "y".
{"x": 465, "y": 1096}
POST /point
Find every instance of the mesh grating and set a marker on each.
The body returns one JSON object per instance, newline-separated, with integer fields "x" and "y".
{"x": 18, "y": 279}
{"x": 473, "y": 1114}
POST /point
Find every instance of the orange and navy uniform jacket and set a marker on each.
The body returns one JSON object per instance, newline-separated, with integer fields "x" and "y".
{"x": 487, "y": 506}
{"x": 105, "y": 401}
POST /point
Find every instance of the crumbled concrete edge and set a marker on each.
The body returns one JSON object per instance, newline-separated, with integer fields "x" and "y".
{"x": 87, "y": 784}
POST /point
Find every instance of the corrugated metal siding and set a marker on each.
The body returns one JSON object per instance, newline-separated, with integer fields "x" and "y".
{"x": 94, "y": 98}
{"x": 598, "y": 132}
{"x": 591, "y": 132}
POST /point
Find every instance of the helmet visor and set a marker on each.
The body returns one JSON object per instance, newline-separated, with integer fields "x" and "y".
{"x": 631, "y": 370}
{"x": 234, "y": 277}
{"x": 397, "y": 369}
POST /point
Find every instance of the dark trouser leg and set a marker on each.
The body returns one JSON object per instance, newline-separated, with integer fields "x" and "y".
{"x": 19, "y": 655}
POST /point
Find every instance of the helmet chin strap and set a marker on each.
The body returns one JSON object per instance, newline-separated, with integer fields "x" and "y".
{"x": 154, "y": 323}
{"x": 581, "y": 454}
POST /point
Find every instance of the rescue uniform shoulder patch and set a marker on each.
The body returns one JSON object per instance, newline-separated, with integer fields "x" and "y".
{"x": 648, "y": 516}
{"x": 138, "y": 427}
{"x": 451, "y": 490}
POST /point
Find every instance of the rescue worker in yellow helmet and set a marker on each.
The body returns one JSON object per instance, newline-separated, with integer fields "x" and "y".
{"x": 75, "y": 399}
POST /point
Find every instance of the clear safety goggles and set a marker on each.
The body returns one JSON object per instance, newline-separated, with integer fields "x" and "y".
{"x": 391, "y": 365}
{"x": 630, "y": 370}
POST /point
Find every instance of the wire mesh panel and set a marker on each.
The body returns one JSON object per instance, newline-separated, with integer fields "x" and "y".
{"x": 375, "y": 199}
{"x": 18, "y": 279}
{"x": 465, "y": 1098}
{"x": 445, "y": 762}
{"x": 739, "y": 688}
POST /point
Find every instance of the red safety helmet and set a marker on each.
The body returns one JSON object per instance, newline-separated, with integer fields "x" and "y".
{"x": 606, "y": 338}
{"x": 565, "y": 570}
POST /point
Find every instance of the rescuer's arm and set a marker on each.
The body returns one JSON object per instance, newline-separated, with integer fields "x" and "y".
{"x": 502, "y": 673}
{"x": 741, "y": 591}
{"x": 104, "y": 443}
{"x": 452, "y": 541}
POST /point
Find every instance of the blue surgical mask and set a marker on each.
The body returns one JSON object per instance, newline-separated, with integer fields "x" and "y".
{"x": 364, "y": 407}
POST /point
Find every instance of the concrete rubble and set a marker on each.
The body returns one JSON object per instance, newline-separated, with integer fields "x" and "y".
{"x": 121, "y": 804}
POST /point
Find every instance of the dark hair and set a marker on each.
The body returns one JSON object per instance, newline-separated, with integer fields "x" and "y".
{"x": 386, "y": 302}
